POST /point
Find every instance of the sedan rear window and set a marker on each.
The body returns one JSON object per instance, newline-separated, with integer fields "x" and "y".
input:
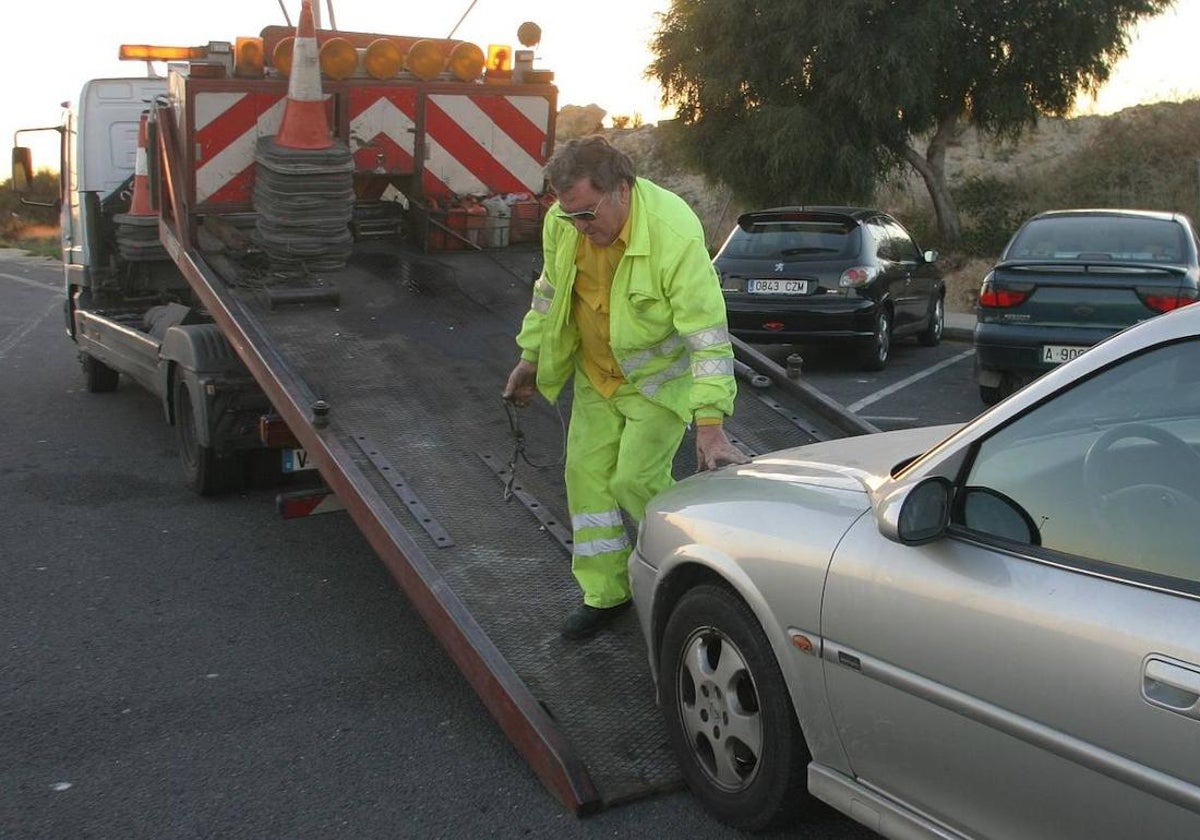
{"x": 792, "y": 240}
{"x": 1100, "y": 238}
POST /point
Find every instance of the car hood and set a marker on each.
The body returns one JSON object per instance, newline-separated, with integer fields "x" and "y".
{"x": 852, "y": 463}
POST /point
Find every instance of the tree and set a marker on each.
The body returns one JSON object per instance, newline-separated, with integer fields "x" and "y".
{"x": 814, "y": 101}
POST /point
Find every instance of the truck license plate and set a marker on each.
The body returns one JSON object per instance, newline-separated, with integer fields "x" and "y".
{"x": 1056, "y": 354}
{"x": 297, "y": 460}
{"x": 777, "y": 287}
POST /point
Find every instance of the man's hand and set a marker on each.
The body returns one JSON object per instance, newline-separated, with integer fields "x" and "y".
{"x": 522, "y": 384}
{"x": 713, "y": 449}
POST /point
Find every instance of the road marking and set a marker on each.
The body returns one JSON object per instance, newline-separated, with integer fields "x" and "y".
{"x": 14, "y": 339}
{"x": 904, "y": 383}
{"x": 26, "y": 281}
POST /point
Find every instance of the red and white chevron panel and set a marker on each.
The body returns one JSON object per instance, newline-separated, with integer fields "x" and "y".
{"x": 480, "y": 143}
{"x": 383, "y": 129}
{"x": 226, "y": 128}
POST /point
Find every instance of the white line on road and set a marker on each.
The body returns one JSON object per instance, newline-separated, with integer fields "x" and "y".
{"x": 904, "y": 383}
{"x": 26, "y": 281}
{"x": 14, "y": 339}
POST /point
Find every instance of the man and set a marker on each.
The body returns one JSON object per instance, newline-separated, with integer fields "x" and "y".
{"x": 629, "y": 305}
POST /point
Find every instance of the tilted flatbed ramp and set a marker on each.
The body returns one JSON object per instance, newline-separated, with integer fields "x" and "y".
{"x": 410, "y": 361}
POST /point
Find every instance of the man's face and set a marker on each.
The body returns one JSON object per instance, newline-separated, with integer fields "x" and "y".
{"x": 599, "y": 216}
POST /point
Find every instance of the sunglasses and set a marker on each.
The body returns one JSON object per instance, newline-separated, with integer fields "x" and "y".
{"x": 582, "y": 215}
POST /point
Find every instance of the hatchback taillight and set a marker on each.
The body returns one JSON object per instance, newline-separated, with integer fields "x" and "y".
{"x": 1161, "y": 301}
{"x": 853, "y": 278}
{"x": 992, "y": 296}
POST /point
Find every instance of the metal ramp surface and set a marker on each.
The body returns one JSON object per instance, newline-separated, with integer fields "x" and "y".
{"x": 411, "y": 360}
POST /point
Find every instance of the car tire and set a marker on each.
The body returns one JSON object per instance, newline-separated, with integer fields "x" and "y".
{"x": 931, "y": 336}
{"x": 717, "y": 666}
{"x": 989, "y": 395}
{"x": 875, "y": 356}
{"x": 204, "y": 472}
{"x": 98, "y": 377}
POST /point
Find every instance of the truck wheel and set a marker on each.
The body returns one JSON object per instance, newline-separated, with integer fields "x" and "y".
{"x": 204, "y": 472}
{"x": 100, "y": 378}
{"x": 875, "y": 355}
{"x": 729, "y": 716}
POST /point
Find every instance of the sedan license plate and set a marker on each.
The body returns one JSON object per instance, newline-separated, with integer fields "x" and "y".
{"x": 777, "y": 287}
{"x": 1056, "y": 354}
{"x": 297, "y": 460}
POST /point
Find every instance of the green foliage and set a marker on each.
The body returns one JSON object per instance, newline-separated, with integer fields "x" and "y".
{"x": 806, "y": 100}
{"x": 992, "y": 210}
{"x": 1148, "y": 159}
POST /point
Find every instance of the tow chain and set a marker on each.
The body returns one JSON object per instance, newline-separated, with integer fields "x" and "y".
{"x": 518, "y": 453}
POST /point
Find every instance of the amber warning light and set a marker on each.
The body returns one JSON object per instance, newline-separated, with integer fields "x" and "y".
{"x": 146, "y": 52}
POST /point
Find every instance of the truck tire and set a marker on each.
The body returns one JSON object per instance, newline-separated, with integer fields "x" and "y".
{"x": 204, "y": 472}
{"x": 729, "y": 717}
{"x": 99, "y": 377}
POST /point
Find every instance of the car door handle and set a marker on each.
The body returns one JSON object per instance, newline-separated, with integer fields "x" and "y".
{"x": 1172, "y": 686}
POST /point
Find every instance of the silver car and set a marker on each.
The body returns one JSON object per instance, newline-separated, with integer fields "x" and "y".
{"x": 990, "y": 630}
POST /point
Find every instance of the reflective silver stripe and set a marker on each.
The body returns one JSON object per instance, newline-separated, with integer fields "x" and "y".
{"x": 651, "y": 384}
{"x": 542, "y": 287}
{"x": 663, "y": 348}
{"x": 591, "y": 548}
{"x": 705, "y": 339}
{"x": 608, "y": 519}
{"x": 540, "y": 305}
{"x": 712, "y": 367}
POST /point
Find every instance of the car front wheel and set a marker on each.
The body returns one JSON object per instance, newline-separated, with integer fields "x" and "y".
{"x": 729, "y": 716}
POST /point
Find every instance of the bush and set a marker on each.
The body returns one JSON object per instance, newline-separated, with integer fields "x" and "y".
{"x": 16, "y": 217}
{"x": 990, "y": 210}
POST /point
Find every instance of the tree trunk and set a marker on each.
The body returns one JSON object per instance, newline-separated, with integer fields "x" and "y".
{"x": 932, "y": 169}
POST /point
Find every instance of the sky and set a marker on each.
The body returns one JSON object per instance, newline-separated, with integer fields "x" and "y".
{"x": 598, "y": 52}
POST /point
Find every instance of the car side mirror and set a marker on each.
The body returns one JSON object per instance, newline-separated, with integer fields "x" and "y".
{"x": 991, "y": 512}
{"x": 913, "y": 514}
{"x": 22, "y": 169}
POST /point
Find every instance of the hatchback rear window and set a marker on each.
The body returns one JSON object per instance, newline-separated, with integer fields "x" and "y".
{"x": 1099, "y": 238}
{"x": 792, "y": 239}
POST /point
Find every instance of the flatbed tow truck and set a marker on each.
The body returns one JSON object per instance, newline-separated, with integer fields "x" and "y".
{"x": 384, "y": 368}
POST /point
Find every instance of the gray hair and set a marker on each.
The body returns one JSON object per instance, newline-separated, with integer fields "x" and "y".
{"x": 593, "y": 158}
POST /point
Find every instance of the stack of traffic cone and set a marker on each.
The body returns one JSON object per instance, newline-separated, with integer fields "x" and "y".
{"x": 304, "y": 178}
{"x": 305, "y": 124}
{"x": 137, "y": 230}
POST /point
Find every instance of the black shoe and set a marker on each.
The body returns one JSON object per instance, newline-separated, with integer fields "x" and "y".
{"x": 585, "y": 621}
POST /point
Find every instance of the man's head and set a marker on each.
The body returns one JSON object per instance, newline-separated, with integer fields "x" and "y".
{"x": 593, "y": 182}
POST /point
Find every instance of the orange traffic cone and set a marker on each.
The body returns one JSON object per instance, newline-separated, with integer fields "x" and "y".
{"x": 305, "y": 124}
{"x": 139, "y": 205}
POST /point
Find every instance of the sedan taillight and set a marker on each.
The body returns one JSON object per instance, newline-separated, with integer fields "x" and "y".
{"x": 992, "y": 296}
{"x": 1161, "y": 301}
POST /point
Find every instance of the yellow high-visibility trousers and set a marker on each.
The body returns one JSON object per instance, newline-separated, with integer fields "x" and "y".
{"x": 619, "y": 455}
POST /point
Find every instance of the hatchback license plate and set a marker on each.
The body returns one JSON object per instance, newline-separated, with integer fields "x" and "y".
{"x": 1056, "y": 354}
{"x": 777, "y": 287}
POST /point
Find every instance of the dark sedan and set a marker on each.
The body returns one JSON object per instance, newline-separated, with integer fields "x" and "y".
{"x": 825, "y": 275}
{"x": 1070, "y": 278}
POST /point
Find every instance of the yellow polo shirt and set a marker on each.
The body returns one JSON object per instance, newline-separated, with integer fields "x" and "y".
{"x": 595, "y": 269}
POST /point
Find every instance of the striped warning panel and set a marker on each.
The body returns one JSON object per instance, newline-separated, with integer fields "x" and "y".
{"x": 480, "y": 144}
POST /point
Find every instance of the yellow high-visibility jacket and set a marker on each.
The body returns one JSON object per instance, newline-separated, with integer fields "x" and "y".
{"x": 667, "y": 323}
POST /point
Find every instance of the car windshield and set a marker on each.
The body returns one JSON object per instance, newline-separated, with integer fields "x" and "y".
{"x": 1099, "y": 238}
{"x": 791, "y": 239}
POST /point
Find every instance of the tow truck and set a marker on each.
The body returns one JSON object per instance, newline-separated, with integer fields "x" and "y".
{"x": 366, "y": 329}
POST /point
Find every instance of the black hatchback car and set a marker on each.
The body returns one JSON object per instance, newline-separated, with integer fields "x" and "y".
{"x": 825, "y": 275}
{"x": 1070, "y": 278}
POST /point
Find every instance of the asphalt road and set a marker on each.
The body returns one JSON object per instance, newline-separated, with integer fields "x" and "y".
{"x": 175, "y": 667}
